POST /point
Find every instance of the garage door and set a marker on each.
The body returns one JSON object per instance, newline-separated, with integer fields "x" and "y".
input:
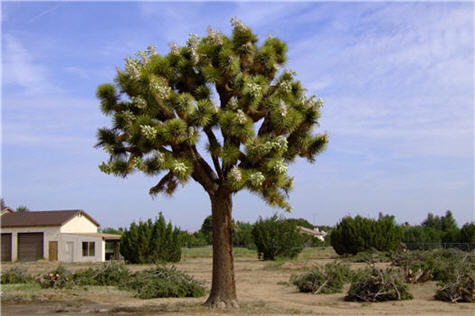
{"x": 6, "y": 247}
{"x": 30, "y": 246}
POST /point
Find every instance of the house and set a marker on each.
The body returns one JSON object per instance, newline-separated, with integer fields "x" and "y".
{"x": 314, "y": 232}
{"x": 66, "y": 236}
{"x": 6, "y": 210}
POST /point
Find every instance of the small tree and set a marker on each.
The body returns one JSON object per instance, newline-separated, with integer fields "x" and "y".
{"x": 22, "y": 209}
{"x": 277, "y": 237}
{"x": 352, "y": 235}
{"x": 151, "y": 242}
{"x": 255, "y": 119}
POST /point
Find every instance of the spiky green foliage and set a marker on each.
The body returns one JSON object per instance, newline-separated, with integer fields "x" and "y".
{"x": 151, "y": 242}
{"x": 353, "y": 235}
{"x": 254, "y": 116}
{"x": 277, "y": 237}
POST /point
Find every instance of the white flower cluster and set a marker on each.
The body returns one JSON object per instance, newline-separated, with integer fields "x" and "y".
{"x": 257, "y": 179}
{"x": 286, "y": 86}
{"x": 216, "y": 37}
{"x": 242, "y": 119}
{"x": 191, "y": 131}
{"x": 193, "y": 44}
{"x": 129, "y": 116}
{"x": 281, "y": 142}
{"x": 174, "y": 48}
{"x": 148, "y": 131}
{"x": 139, "y": 102}
{"x": 233, "y": 103}
{"x": 160, "y": 157}
{"x": 315, "y": 104}
{"x": 280, "y": 167}
{"x": 238, "y": 24}
{"x": 133, "y": 67}
{"x": 138, "y": 163}
{"x": 160, "y": 89}
{"x": 144, "y": 55}
{"x": 255, "y": 89}
{"x": 283, "y": 108}
{"x": 235, "y": 174}
{"x": 179, "y": 168}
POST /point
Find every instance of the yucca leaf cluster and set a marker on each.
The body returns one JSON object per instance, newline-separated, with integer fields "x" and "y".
{"x": 227, "y": 91}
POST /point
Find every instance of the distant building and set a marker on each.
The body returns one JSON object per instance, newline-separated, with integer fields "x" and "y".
{"x": 66, "y": 236}
{"x": 314, "y": 232}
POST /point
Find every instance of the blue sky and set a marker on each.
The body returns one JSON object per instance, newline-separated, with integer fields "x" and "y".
{"x": 396, "y": 78}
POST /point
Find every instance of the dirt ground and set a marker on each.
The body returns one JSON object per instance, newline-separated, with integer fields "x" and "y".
{"x": 262, "y": 290}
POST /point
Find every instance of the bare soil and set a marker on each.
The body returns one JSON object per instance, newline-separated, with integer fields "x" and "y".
{"x": 262, "y": 290}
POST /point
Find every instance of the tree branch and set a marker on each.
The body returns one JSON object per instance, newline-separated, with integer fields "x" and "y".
{"x": 214, "y": 144}
{"x": 203, "y": 173}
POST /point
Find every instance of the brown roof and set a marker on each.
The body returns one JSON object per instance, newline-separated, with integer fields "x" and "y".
{"x": 41, "y": 218}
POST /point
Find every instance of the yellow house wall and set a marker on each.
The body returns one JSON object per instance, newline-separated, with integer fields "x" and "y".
{"x": 79, "y": 224}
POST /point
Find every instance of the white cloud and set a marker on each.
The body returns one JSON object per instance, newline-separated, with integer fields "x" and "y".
{"x": 21, "y": 70}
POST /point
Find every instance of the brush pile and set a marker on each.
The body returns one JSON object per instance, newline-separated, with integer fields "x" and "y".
{"x": 56, "y": 279}
{"x": 377, "y": 285}
{"x": 460, "y": 289}
{"x": 323, "y": 280}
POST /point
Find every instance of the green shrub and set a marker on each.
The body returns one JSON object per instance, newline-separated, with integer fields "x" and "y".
{"x": 467, "y": 233}
{"x": 242, "y": 235}
{"x": 277, "y": 237}
{"x": 377, "y": 285}
{"x": 56, "y": 279}
{"x": 16, "y": 275}
{"x": 353, "y": 235}
{"x": 193, "y": 240}
{"x": 163, "y": 281}
{"x": 323, "y": 280}
{"x": 110, "y": 273}
{"x": 151, "y": 242}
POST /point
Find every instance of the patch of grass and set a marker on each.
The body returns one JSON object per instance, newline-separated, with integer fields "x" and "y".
{"x": 207, "y": 252}
{"x": 313, "y": 253}
{"x": 370, "y": 256}
{"x": 276, "y": 264}
{"x": 20, "y": 291}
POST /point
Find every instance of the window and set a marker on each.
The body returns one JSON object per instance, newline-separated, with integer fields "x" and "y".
{"x": 88, "y": 249}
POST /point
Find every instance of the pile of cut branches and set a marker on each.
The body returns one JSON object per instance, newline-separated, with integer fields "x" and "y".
{"x": 460, "y": 289}
{"x": 377, "y": 285}
{"x": 323, "y": 280}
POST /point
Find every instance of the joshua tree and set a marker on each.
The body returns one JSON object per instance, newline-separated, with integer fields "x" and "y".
{"x": 254, "y": 117}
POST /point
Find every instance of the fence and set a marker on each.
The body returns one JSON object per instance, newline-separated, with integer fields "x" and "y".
{"x": 434, "y": 245}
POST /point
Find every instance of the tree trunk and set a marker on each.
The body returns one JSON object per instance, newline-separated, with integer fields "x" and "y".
{"x": 223, "y": 288}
